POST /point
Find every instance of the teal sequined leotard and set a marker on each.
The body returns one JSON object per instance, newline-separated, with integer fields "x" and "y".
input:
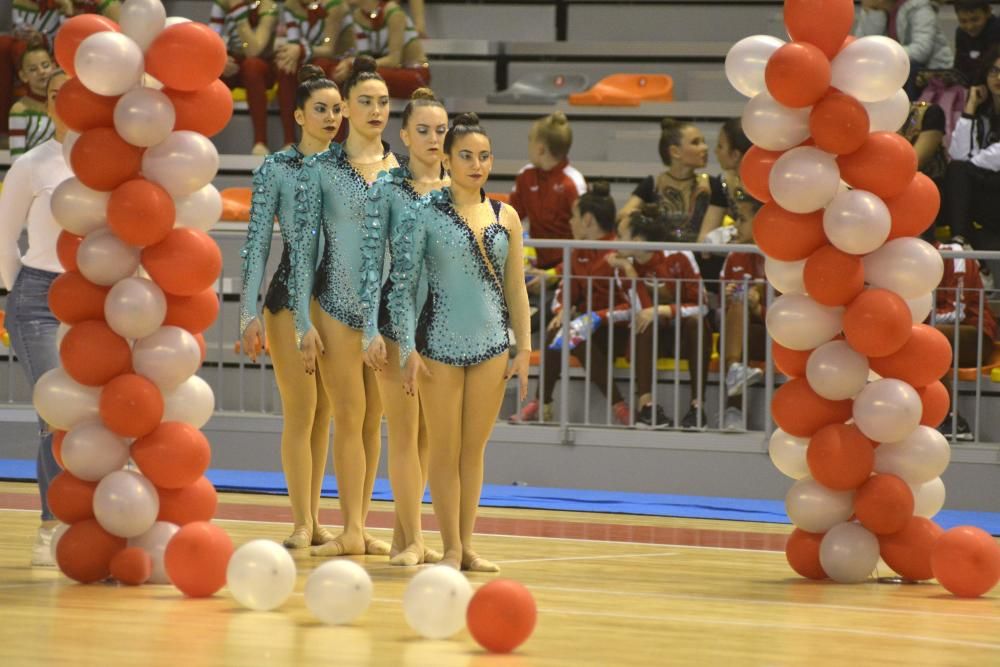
{"x": 285, "y": 186}
{"x": 472, "y": 257}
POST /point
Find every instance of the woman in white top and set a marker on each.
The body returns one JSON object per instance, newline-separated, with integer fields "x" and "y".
{"x": 24, "y": 203}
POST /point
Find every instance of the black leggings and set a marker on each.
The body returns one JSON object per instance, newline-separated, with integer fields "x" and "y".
{"x": 972, "y": 194}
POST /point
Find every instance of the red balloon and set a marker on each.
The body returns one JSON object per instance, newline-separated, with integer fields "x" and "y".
{"x": 839, "y": 124}
{"x": 184, "y": 263}
{"x": 173, "y": 456}
{"x": 70, "y": 498}
{"x": 131, "y": 406}
{"x": 908, "y": 551}
{"x": 501, "y": 615}
{"x": 73, "y": 298}
{"x": 57, "y": 441}
{"x": 788, "y": 236}
{"x": 75, "y": 30}
{"x": 102, "y": 160}
{"x": 132, "y": 566}
{"x": 936, "y": 404}
{"x": 797, "y": 74}
{"x": 833, "y": 277}
{"x": 884, "y": 504}
{"x": 187, "y": 56}
{"x": 877, "y": 323}
{"x": 82, "y": 110}
{"x": 840, "y": 457}
{"x": 193, "y": 313}
{"x": 93, "y": 354}
{"x": 206, "y": 111}
{"x": 755, "y": 172}
{"x": 800, "y": 411}
{"x": 966, "y": 561}
{"x": 823, "y": 23}
{"x": 884, "y": 165}
{"x": 196, "y": 559}
{"x": 790, "y": 362}
{"x": 195, "y": 502}
{"x": 141, "y": 213}
{"x": 802, "y": 552}
{"x": 85, "y": 551}
{"x": 66, "y": 246}
{"x": 923, "y": 359}
{"x": 915, "y": 209}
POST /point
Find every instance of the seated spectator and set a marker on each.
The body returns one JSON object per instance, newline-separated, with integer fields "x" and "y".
{"x": 30, "y": 124}
{"x": 972, "y": 179}
{"x": 970, "y": 343}
{"x": 590, "y": 331}
{"x": 924, "y": 129}
{"x": 912, "y": 23}
{"x": 248, "y": 31}
{"x": 977, "y": 31}
{"x": 664, "y": 314}
{"x": 31, "y": 23}
{"x": 382, "y": 30}
{"x": 743, "y": 319}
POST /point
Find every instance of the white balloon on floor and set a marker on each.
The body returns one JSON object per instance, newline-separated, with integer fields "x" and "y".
{"x": 261, "y": 575}
{"x": 338, "y": 592}
{"x": 849, "y": 553}
{"x": 435, "y": 602}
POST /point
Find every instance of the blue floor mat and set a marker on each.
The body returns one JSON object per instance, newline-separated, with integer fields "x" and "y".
{"x": 540, "y": 498}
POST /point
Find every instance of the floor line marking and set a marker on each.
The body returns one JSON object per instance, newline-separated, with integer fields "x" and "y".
{"x": 570, "y": 558}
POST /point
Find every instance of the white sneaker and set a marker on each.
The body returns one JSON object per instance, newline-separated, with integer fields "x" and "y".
{"x": 41, "y": 552}
{"x": 732, "y": 420}
{"x": 739, "y": 377}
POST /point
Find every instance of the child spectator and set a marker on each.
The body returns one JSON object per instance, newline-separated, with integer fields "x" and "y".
{"x": 977, "y": 31}
{"x": 29, "y": 120}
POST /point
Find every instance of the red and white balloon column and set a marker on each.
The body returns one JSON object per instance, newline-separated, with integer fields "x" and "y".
{"x": 844, "y": 205}
{"x": 138, "y": 292}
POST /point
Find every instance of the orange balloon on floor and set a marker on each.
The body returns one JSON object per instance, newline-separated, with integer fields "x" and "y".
{"x": 92, "y": 354}
{"x": 797, "y": 75}
{"x": 184, "y": 263}
{"x": 132, "y": 566}
{"x": 884, "y": 504}
{"x": 799, "y": 411}
{"x": 755, "y": 172}
{"x": 914, "y": 209}
{"x": 73, "y": 298}
{"x": 66, "y": 246}
{"x": 966, "y": 561}
{"x": 839, "y": 124}
{"x": 924, "y": 358}
{"x": 205, "y": 111}
{"x": 877, "y": 323}
{"x": 173, "y": 456}
{"x": 936, "y": 403}
{"x": 72, "y": 32}
{"x": 82, "y": 109}
{"x": 140, "y": 212}
{"x": 70, "y": 498}
{"x": 501, "y": 615}
{"x": 131, "y": 406}
{"x": 833, "y": 277}
{"x": 196, "y": 559}
{"x": 102, "y": 160}
{"x": 884, "y": 165}
{"x": 195, "y": 502}
{"x": 193, "y": 313}
{"x": 908, "y": 551}
{"x": 825, "y": 23}
{"x": 788, "y": 236}
{"x": 802, "y": 552}
{"x": 85, "y": 551}
{"x": 840, "y": 457}
{"x": 790, "y": 362}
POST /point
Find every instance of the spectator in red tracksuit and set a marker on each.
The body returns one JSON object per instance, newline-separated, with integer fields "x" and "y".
{"x": 658, "y": 276}
{"x": 961, "y": 276}
{"x": 593, "y": 219}
{"x": 743, "y": 280}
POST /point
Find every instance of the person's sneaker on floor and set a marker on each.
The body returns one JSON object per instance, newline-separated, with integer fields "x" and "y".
{"x": 738, "y": 377}
{"x": 694, "y": 419}
{"x": 622, "y": 415}
{"x": 961, "y": 427}
{"x": 732, "y": 420}
{"x": 530, "y": 413}
{"x": 644, "y": 417}
{"x": 41, "y": 552}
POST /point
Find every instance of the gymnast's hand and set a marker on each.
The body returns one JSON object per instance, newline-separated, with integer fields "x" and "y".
{"x": 519, "y": 366}
{"x": 312, "y": 346}
{"x": 253, "y": 340}
{"x": 375, "y": 356}
{"x": 415, "y": 367}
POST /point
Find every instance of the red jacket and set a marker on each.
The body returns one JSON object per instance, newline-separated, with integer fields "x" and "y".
{"x": 662, "y": 272}
{"x": 606, "y": 293}
{"x": 966, "y": 271}
{"x": 545, "y": 199}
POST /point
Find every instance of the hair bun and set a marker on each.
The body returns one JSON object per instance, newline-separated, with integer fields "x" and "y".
{"x": 600, "y": 188}
{"x": 669, "y": 123}
{"x": 558, "y": 118}
{"x": 424, "y": 94}
{"x": 363, "y": 64}
{"x": 310, "y": 73}
{"x": 468, "y": 119}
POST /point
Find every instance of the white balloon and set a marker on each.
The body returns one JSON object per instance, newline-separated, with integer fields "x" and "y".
{"x": 63, "y": 402}
{"x": 805, "y": 179}
{"x": 109, "y": 63}
{"x": 56, "y": 536}
{"x": 887, "y": 411}
{"x": 799, "y": 323}
{"x": 154, "y": 542}
{"x": 61, "y": 333}
{"x": 919, "y": 457}
{"x": 90, "y": 451}
{"x": 174, "y": 20}
{"x": 67, "y": 146}
{"x": 857, "y": 222}
{"x": 788, "y": 454}
{"x": 888, "y": 115}
{"x": 78, "y": 209}
{"x": 870, "y": 68}
{"x": 182, "y": 164}
{"x": 747, "y": 60}
{"x": 786, "y": 277}
{"x": 191, "y": 402}
{"x": 848, "y": 553}
{"x": 338, "y": 591}
{"x": 261, "y": 575}
{"x": 435, "y": 602}
{"x": 835, "y": 371}
{"x": 144, "y": 117}
{"x": 815, "y": 508}
{"x": 920, "y": 307}
{"x": 772, "y": 126}
{"x": 142, "y": 20}
{"x": 135, "y": 307}
{"x": 168, "y": 357}
{"x": 126, "y": 503}
{"x": 199, "y": 210}
{"x": 104, "y": 259}
{"x": 908, "y": 266}
{"x": 928, "y": 498}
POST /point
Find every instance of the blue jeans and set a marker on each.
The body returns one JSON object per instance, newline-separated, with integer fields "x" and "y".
{"x": 32, "y": 328}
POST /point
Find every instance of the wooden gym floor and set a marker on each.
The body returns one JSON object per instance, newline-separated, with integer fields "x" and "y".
{"x": 611, "y": 590}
